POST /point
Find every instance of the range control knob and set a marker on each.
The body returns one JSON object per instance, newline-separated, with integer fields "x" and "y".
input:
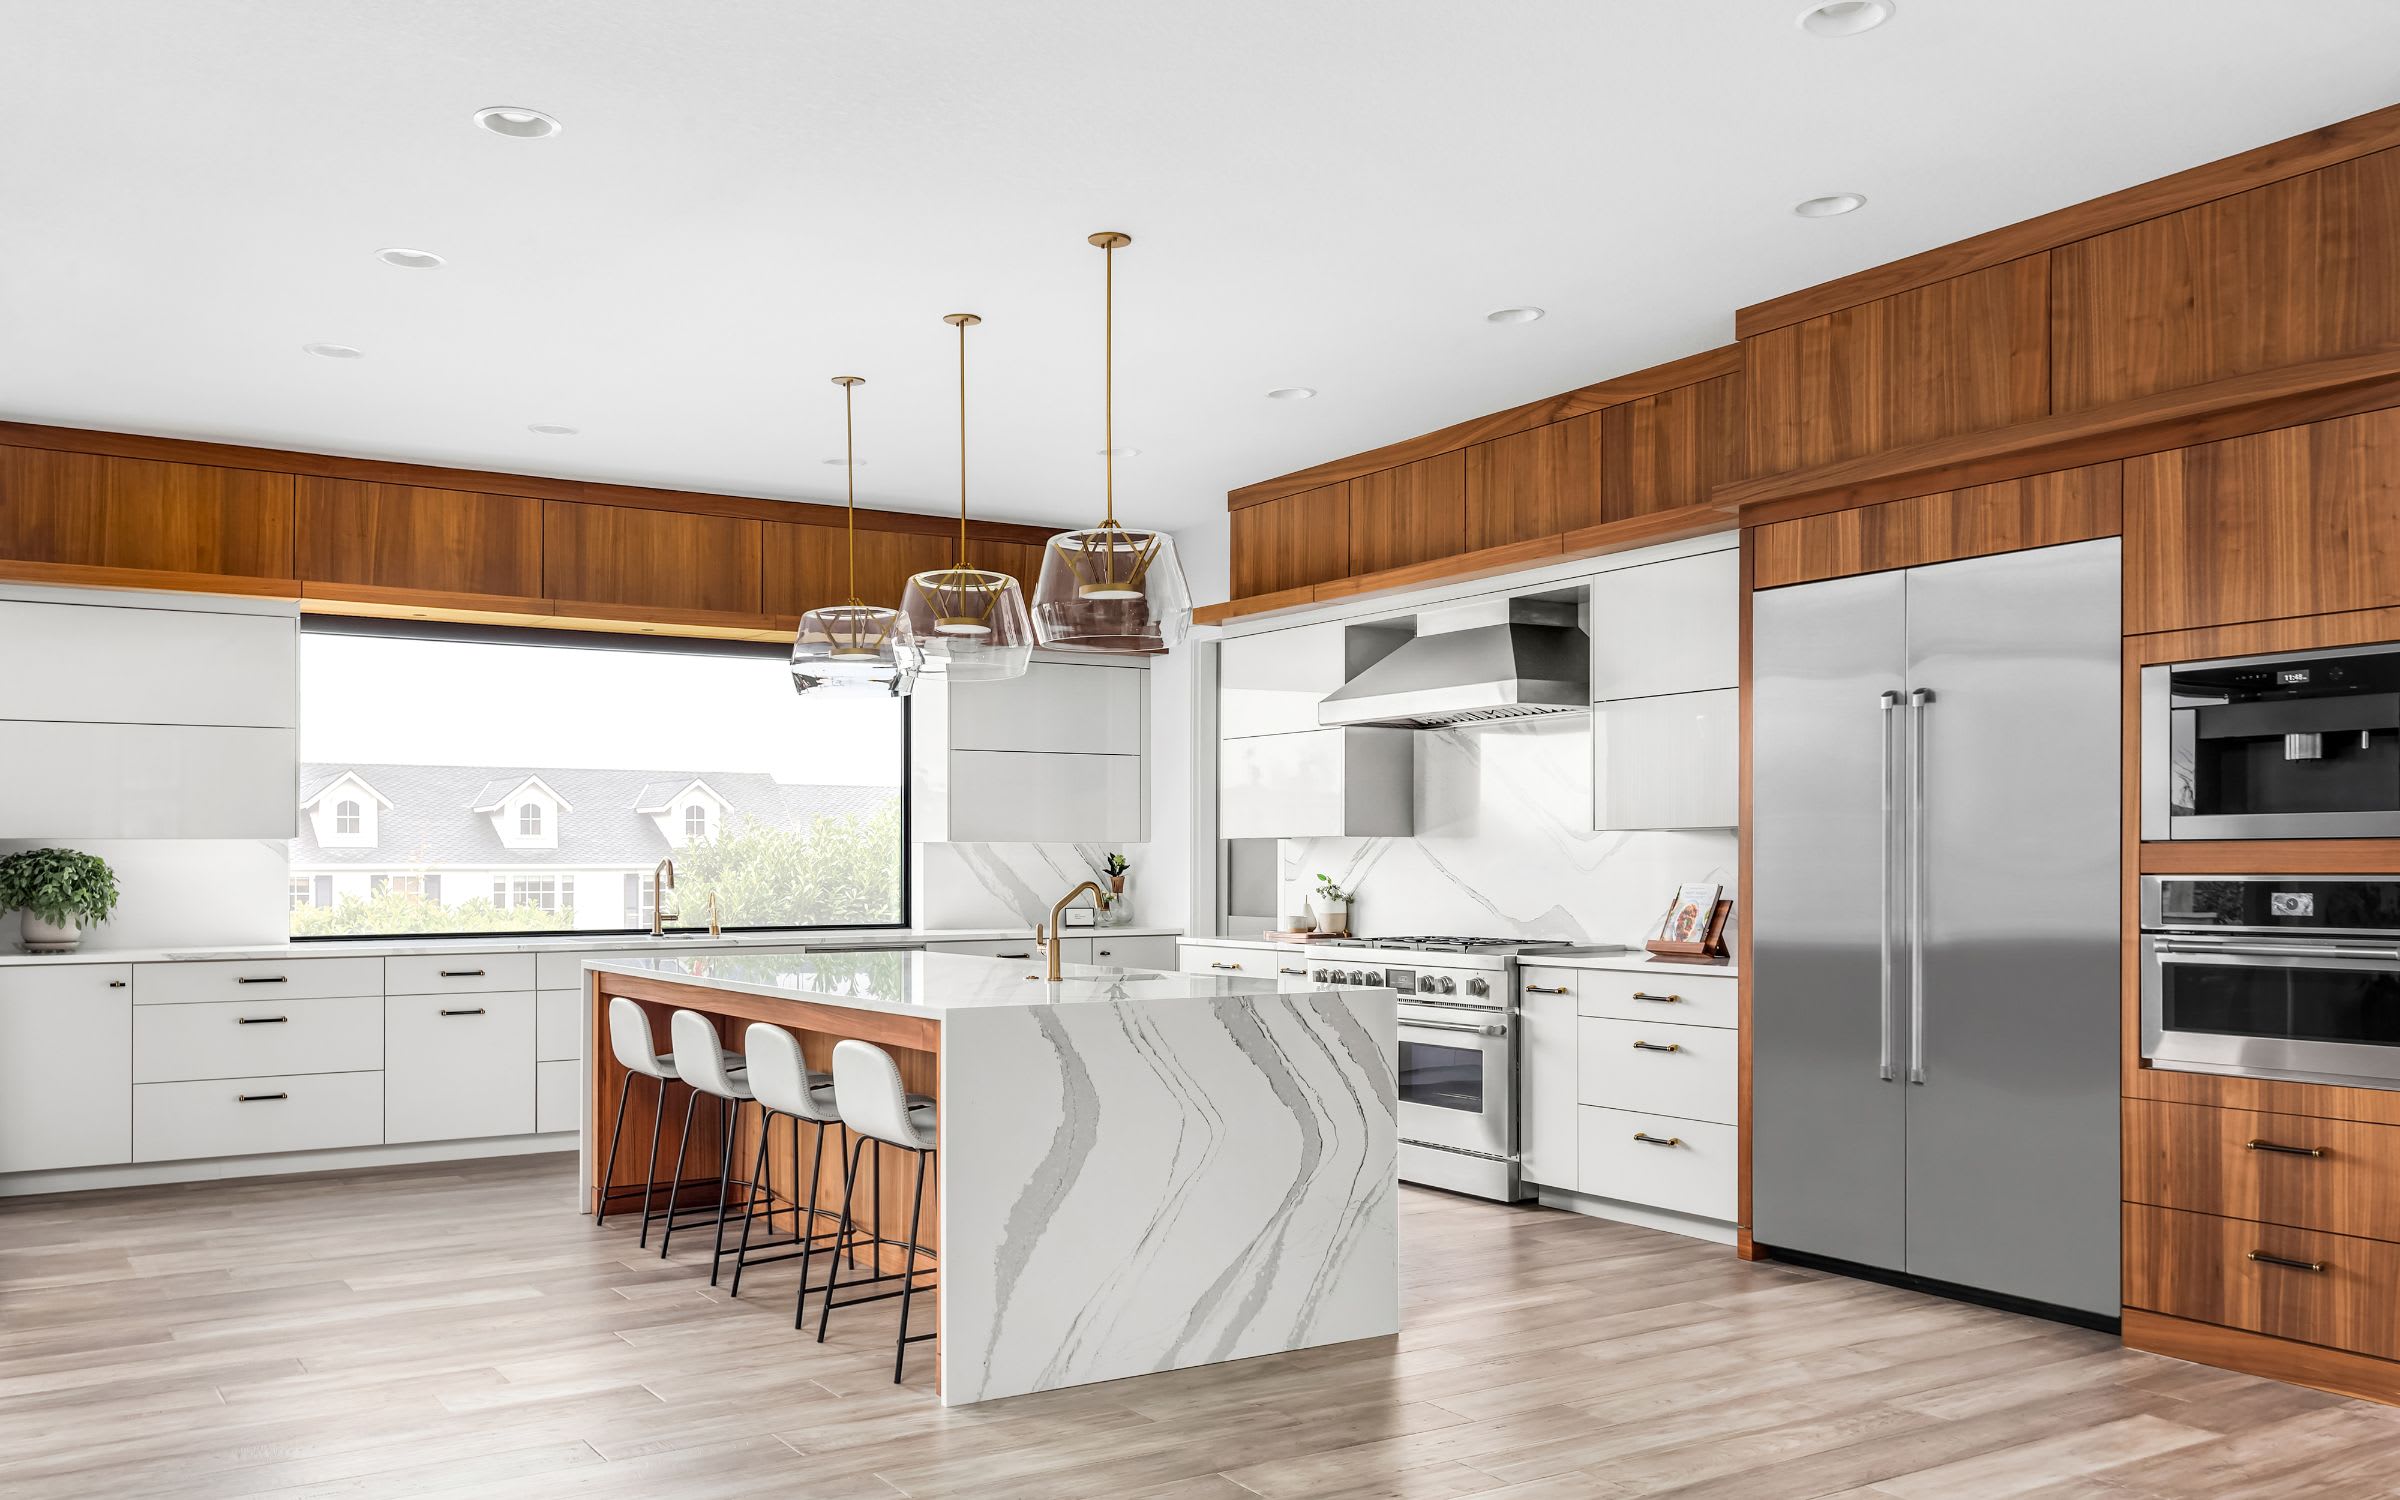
{"x": 1425, "y": 985}
{"x": 1358, "y": 976}
{"x": 1449, "y": 985}
{"x": 1318, "y": 975}
{"x": 1374, "y": 976}
{"x": 1478, "y": 987}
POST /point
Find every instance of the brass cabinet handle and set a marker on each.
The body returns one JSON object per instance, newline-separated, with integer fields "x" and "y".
{"x": 263, "y": 979}
{"x": 1648, "y": 1139}
{"x": 1658, "y": 1046}
{"x": 1661, "y": 999}
{"x": 2264, "y": 1259}
{"x": 2281, "y": 1150}
{"x": 462, "y": 973}
{"x": 1281, "y": 970}
{"x": 476, "y": 1011}
{"x": 1212, "y": 963}
{"x": 258, "y": 1098}
{"x": 260, "y": 1020}
{"x": 1546, "y": 989}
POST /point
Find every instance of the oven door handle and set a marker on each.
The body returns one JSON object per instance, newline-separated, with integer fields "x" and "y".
{"x": 1494, "y": 1030}
{"x": 2206, "y": 948}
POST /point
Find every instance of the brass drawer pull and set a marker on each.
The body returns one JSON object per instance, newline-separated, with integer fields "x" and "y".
{"x": 1658, "y": 1046}
{"x": 1648, "y": 1139}
{"x": 462, "y": 973}
{"x": 1546, "y": 989}
{"x": 2284, "y": 1150}
{"x": 476, "y": 1011}
{"x": 2264, "y": 1259}
{"x": 258, "y": 1098}
{"x": 1661, "y": 999}
{"x": 1214, "y": 964}
{"x": 260, "y": 1020}
{"x": 1281, "y": 970}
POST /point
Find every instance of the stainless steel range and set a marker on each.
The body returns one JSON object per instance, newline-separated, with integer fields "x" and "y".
{"x": 1458, "y": 1051}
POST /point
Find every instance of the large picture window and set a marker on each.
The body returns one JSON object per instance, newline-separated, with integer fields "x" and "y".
{"x": 463, "y": 780}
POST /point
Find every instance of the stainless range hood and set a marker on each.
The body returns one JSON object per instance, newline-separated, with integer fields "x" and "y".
{"x": 1486, "y": 660}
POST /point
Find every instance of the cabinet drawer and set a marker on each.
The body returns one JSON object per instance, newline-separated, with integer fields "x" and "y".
{"x": 457, "y": 1067}
{"x": 564, "y": 971}
{"x": 254, "y": 1116}
{"x": 1680, "y": 999}
{"x": 1689, "y": 1072}
{"x": 989, "y": 947}
{"x": 1244, "y": 963}
{"x": 266, "y": 1037}
{"x": 558, "y": 1026}
{"x": 267, "y": 979}
{"x": 1135, "y": 952}
{"x": 557, "y": 1096}
{"x": 1693, "y": 1172}
{"x": 2337, "y": 1175}
{"x": 1536, "y": 983}
{"x": 458, "y": 973}
{"x": 2241, "y": 1274}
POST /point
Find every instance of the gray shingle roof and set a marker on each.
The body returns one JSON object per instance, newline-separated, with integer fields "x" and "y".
{"x": 432, "y": 821}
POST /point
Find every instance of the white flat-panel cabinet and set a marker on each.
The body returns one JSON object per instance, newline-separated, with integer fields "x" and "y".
{"x": 1132, "y": 952}
{"x": 1667, "y": 627}
{"x": 1668, "y": 762}
{"x": 272, "y": 1034}
{"x": 1326, "y": 783}
{"x": 1055, "y": 756}
{"x": 103, "y": 664}
{"x": 999, "y": 796}
{"x": 1064, "y": 707}
{"x": 457, "y": 1067}
{"x": 261, "y": 979}
{"x": 1546, "y": 1077}
{"x": 66, "y": 1094}
{"x": 147, "y": 781}
{"x": 558, "y": 1097}
{"x": 256, "y": 1116}
{"x": 1271, "y": 683}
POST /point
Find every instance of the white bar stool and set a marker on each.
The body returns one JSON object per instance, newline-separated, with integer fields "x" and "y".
{"x": 867, "y": 1090}
{"x": 629, "y": 1038}
{"x": 781, "y": 1082}
{"x": 708, "y": 1068}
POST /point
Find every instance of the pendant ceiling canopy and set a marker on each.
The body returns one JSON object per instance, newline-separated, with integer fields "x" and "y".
{"x": 1110, "y": 588}
{"x": 970, "y": 622}
{"x": 854, "y": 649}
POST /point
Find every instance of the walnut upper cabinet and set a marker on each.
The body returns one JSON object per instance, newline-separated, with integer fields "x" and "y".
{"x": 673, "y": 561}
{"x": 1410, "y": 514}
{"x": 411, "y": 537}
{"x": 2041, "y": 510}
{"x": 1964, "y": 355}
{"x": 2299, "y": 521}
{"x": 84, "y": 509}
{"x": 1668, "y": 450}
{"x": 1292, "y": 542}
{"x": 1529, "y": 484}
{"x": 809, "y": 565}
{"x": 2303, "y": 269}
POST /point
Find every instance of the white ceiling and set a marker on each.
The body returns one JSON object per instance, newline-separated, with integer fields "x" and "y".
{"x": 752, "y": 197}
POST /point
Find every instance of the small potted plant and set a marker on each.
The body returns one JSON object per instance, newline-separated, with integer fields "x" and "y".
{"x": 59, "y": 890}
{"x": 1332, "y": 905}
{"x": 1112, "y": 906}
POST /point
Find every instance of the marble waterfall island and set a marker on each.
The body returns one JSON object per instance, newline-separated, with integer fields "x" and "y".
{"x": 1138, "y": 1171}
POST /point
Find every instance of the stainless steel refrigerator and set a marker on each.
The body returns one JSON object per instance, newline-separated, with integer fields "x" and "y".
{"x": 1934, "y": 924}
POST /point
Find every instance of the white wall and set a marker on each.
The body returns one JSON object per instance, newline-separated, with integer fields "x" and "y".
{"x": 182, "y": 893}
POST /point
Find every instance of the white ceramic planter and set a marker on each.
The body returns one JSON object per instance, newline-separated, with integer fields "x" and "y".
{"x": 50, "y": 937}
{"x": 1332, "y": 916}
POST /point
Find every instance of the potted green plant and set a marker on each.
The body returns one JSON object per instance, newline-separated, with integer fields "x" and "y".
{"x": 1113, "y": 909}
{"x": 1332, "y": 905}
{"x": 59, "y": 890}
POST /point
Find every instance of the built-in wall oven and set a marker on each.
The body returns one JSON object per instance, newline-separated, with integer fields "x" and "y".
{"x": 2299, "y": 745}
{"x": 2277, "y": 976}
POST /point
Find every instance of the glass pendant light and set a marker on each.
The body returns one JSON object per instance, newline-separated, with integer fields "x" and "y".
{"x": 970, "y": 622}
{"x": 1111, "y": 589}
{"x": 853, "y": 649}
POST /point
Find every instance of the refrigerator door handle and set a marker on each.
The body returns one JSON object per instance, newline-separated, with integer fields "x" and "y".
{"x": 1890, "y": 701}
{"x": 1917, "y": 699}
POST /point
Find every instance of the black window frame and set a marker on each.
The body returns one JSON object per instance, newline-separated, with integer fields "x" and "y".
{"x": 664, "y": 645}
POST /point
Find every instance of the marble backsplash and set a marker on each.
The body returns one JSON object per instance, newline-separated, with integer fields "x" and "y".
{"x": 1504, "y": 847}
{"x": 1013, "y": 885}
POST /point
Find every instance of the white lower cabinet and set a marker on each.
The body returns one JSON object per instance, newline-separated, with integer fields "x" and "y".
{"x": 1683, "y": 1166}
{"x": 64, "y": 1091}
{"x": 256, "y": 1116}
{"x": 1688, "y": 1072}
{"x": 458, "y": 1067}
{"x": 1546, "y": 1078}
{"x": 1133, "y": 952}
{"x": 252, "y": 1038}
{"x": 988, "y": 947}
{"x": 558, "y": 1026}
{"x": 1245, "y": 963}
{"x": 557, "y": 1096}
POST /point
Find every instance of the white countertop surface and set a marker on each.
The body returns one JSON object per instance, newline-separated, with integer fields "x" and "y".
{"x": 598, "y": 942}
{"x": 1636, "y": 959}
{"x": 1637, "y": 962}
{"x": 926, "y": 984}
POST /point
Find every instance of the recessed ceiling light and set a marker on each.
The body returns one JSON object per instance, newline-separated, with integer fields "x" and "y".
{"x": 513, "y": 120}
{"x": 1292, "y": 393}
{"x": 1830, "y": 206}
{"x": 410, "y": 260}
{"x": 334, "y": 351}
{"x": 1513, "y": 315}
{"x": 1118, "y": 452}
{"x": 1845, "y": 17}
{"x": 551, "y": 429}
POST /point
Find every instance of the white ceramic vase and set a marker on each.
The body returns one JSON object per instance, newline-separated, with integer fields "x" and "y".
{"x": 51, "y": 937}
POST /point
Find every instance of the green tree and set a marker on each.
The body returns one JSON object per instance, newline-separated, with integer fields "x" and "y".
{"x": 841, "y": 868}
{"x": 394, "y": 912}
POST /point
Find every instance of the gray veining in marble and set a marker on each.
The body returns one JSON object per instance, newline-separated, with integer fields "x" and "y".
{"x": 1012, "y": 885}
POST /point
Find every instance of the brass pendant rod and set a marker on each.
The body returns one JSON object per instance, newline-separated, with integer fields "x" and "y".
{"x": 962, "y": 444}
{"x": 850, "y": 476}
{"x": 1108, "y": 367}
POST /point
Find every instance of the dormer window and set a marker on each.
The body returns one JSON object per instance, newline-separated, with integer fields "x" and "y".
{"x": 695, "y": 822}
{"x": 345, "y": 817}
{"x": 529, "y": 820}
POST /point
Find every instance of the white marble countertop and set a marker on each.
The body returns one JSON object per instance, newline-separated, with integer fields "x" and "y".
{"x": 1638, "y": 962}
{"x": 598, "y": 942}
{"x": 925, "y": 984}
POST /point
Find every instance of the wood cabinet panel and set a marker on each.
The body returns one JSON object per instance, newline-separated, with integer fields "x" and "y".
{"x": 1531, "y": 484}
{"x": 808, "y": 566}
{"x": 2303, "y": 269}
{"x": 1669, "y": 450}
{"x": 408, "y": 536}
{"x": 94, "y": 511}
{"x": 2341, "y": 1176}
{"x": 2071, "y": 505}
{"x": 1291, "y": 542}
{"x": 1411, "y": 514}
{"x": 2299, "y": 521}
{"x": 2210, "y": 1270}
{"x": 656, "y": 559}
{"x": 1962, "y": 355}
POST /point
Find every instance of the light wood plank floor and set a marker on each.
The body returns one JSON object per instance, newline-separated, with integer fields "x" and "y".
{"x": 459, "y": 1331}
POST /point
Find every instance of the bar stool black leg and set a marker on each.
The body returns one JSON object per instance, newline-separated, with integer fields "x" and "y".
{"x": 608, "y": 1174}
{"x": 833, "y": 1270}
{"x": 908, "y": 1286}
{"x": 758, "y": 1181}
{"x": 658, "y": 1128}
{"x": 807, "y": 1227}
{"x": 875, "y": 1240}
{"x": 683, "y": 1146}
{"x": 732, "y": 1109}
